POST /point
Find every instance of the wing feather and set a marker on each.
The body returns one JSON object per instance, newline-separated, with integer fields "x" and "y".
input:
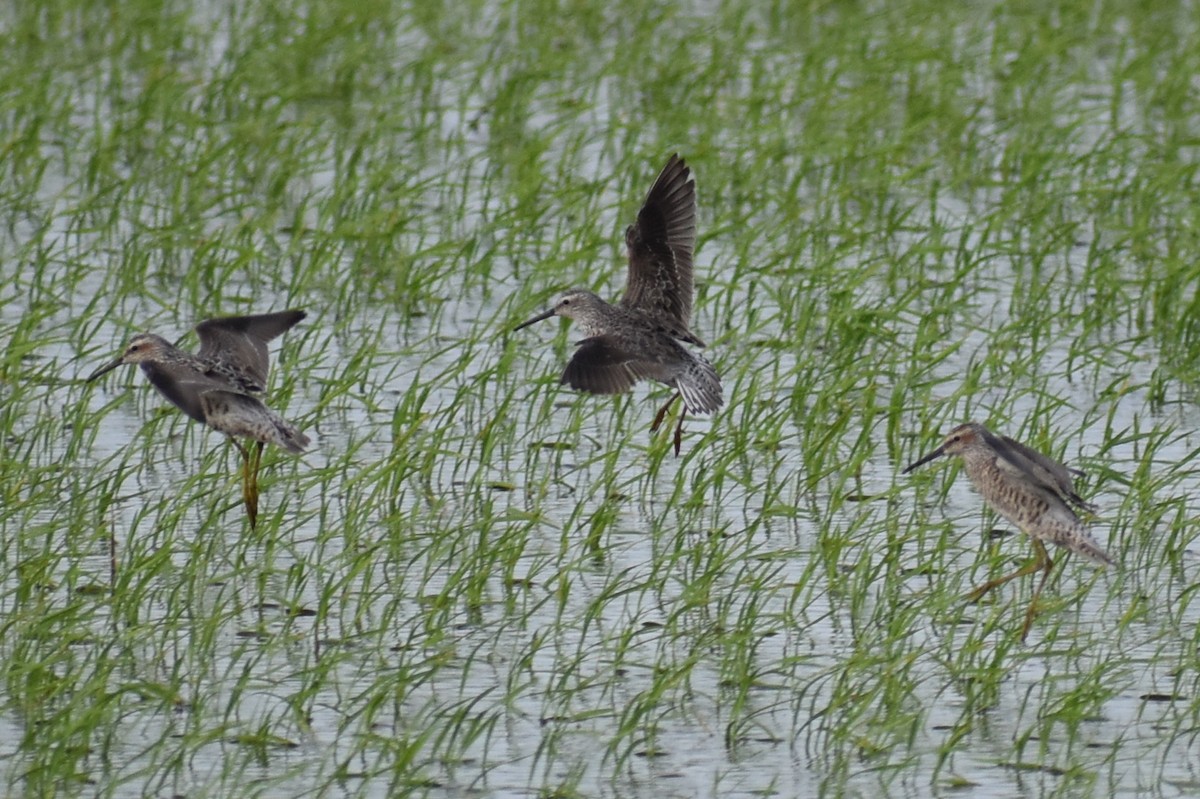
{"x": 1044, "y": 472}
{"x": 240, "y": 342}
{"x": 661, "y": 245}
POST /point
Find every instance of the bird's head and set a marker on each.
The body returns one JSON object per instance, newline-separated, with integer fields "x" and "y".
{"x": 141, "y": 348}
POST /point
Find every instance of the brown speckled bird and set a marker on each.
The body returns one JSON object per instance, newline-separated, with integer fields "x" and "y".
{"x": 221, "y": 385}
{"x": 643, "y": 336}
{"x": 1030, "y": 490}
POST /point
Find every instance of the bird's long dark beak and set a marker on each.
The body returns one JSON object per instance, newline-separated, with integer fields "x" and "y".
{"x": 537, "y": 318}
{"x": 103, "y": 370}
{"x": 937, "y": 453}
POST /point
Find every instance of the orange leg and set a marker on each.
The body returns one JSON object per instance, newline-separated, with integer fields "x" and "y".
{"x": 662, "y": 413}
{"x": 250, "y": 479}
{"x": 1041, "y": 562}
{"x": 1029, "y": 614}
{"x": 252, "y": 506}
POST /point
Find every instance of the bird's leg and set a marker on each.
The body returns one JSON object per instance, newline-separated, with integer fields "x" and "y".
{"x": 662, "y": 412}
{"x": 249, "y": 480}
{"x": 252, "y": 507}
{"x": 1040, "y": 561}
{"x": 1043, "y": 556}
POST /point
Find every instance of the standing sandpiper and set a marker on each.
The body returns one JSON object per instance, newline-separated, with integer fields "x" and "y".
{"x": 1032, "y": 491}
{"x": 221, "y": 385}
{"x": 643, "y": 336}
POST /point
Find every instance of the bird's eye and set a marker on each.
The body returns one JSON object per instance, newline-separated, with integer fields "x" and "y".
{"x": 565, "y": 302}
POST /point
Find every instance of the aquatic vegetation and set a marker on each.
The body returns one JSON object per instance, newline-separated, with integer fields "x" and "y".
{"x": 910, "y": 216}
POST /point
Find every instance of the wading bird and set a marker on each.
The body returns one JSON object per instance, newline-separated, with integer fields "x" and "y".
{"x": 1029, "y": 489}
{"x": 222, "y": 384}
{"x": 643, "y": 336}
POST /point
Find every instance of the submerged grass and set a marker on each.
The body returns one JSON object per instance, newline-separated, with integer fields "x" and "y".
{"x": 911, "y": 215}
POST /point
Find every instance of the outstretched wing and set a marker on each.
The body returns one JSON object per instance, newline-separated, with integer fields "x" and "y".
{"x": 240, "y": 342}
{"x": 661, "y": 244}
{"x": 602, "y": 366}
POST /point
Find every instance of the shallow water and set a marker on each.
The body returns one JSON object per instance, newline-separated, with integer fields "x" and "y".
{"x": 739, "y": 625}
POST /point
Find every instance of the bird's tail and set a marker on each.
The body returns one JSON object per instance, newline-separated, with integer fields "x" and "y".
{"x": 700, "y": 386}
{"x": 289, "y": 437}
{"x": 1082, "y": 542}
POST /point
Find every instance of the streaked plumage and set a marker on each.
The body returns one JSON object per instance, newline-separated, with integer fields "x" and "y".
{"x": 643, "y": 336}
{"x": 1029, "y": 489}
{"x": 221, "y": 385}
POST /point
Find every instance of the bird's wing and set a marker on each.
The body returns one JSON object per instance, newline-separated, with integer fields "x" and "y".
{"x": 240, "y": 342}
{"x": 183, "y": 385}
{"x": 661, "y": 244}
{"x": 602, "y": 366}
{"x": 1042, "y": 471}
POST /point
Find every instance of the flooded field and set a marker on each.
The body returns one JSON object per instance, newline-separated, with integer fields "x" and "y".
{"x": 478, "y": 582}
